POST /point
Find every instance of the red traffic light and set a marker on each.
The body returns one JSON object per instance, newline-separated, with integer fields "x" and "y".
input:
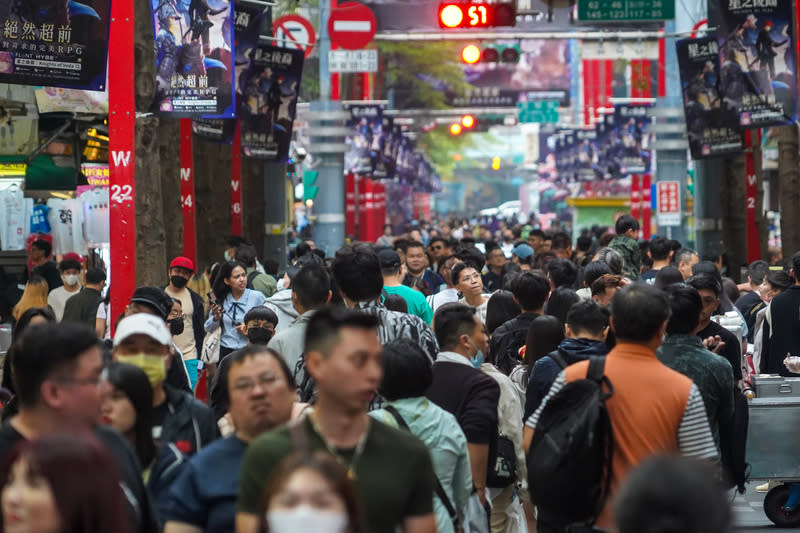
{"x": 476, "y": 15}
{"x": 470, "y": 54}
{"x": 467, "y": 121}
{"x": 455, "y": 129}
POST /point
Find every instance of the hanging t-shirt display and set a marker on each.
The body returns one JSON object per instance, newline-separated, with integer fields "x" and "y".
{"x": 95, "y": 216}
{"x": 39, "y": 222}
{"x": 66, "y": 222}
{"x": 12, "y": 219}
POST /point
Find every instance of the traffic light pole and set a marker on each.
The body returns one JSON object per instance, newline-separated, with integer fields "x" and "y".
{"x": 275, "y": 212}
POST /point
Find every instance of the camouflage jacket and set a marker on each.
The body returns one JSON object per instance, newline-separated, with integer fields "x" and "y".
{"x": 629, "y": 250}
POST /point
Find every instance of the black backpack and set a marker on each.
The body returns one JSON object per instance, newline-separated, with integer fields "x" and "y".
{"x": 250, "y": 277}
{"x": 569, "y": 461}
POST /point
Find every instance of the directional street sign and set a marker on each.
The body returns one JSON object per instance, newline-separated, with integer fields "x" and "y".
{"x": 294, "y": 31}
{"x": 539, "y": 111}
{"x": 625, "y": 10}
{"x": 353, "y": 61}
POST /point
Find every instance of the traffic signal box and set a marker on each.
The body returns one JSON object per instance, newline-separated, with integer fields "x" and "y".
{"x": 476, "y": 15}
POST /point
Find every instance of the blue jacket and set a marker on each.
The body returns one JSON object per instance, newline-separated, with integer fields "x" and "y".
{"x": 546, "y": 369}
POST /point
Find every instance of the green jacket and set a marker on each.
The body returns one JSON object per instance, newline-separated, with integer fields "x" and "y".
{"x": 629, "y": 250}
{"x": 263, "y": 283}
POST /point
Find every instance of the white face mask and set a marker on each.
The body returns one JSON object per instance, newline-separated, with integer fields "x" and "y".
{"x": 70, "y": 280}
{"x": 227, "y": 256}
{"x": 306, "y": 519}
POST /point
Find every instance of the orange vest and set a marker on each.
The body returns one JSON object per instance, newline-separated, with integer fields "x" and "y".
{"x": 646, "y": 409}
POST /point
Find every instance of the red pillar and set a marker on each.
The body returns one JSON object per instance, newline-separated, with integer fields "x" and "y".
{"x": 751, "y": 138}
{"x": 187, "y": 191}
{"x": 236, "y": 183}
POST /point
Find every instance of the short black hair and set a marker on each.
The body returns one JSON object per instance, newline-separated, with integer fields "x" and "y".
{"x": 401, "y": 244}
{"x": 584, "y": 243}
{"x": 395, "y": 302}
{"x": 261, "y": 312}
{"x": 796, "y": 265}
{"x": 593, "y": 271}
{"x": 563, "y": 272}
{"x": 357, "y": 272}
{"x": 311, "y": 284}
{"x": 473, "y": 256}
{"x": 323, "y": 330}
{"x": 442, "y": 240}
{"x": 530, "y": 289}
{"x": 271, "y": 266}
{"x": 248, "y": 352}
{"x": 705, "y": 281}
{"x": 778, "y": 279}
{"x": 95, "y": 275}
{"x": 667, "y": 276}
{"x": 69, "y": 264}
{"x": 536, "y": 233}
{"x": 706, "y": 267}
{"x": 660, "y": 248}
{"x": 407, "y": 371}
{"x": 654, "y": 498}
{"x": 561, "y": 241}
{"x": 638, "y": 311}
{"x": 560, "y": 302}
{"x": 415, "y": 244}
{"x": 44, "y": 246}
{"x": 451, "y": 321}
{"x": 455, "y": 272}
{"x": 234, "y": 241}
{"x": 625, "y": 223}
{"x": 686, "y": 306}
{"x": 247, "y": 255}
{"x": 587, "y": 316}
{"x": 43, "y": 351}
{"x": 302, "y": 249}
{"x": 757, "y": 270}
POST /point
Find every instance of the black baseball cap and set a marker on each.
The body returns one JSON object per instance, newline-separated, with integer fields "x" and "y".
{"x": 155, "y": 298}
{"x": 304, "y": 260}
{"x": 389, "y": 259}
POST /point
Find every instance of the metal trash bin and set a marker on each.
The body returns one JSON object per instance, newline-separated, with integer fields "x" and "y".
{"x": 773, "y": 432}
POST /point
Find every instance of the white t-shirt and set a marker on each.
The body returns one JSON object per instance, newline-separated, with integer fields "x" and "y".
{"x": 185, "y": 341}
{"x": 57, "y": 299}
{"x": 12, "y": 219}
{"x": 66, "y": 221}
{"x": 102, "y": 313}
{"x": 95, "y": 216}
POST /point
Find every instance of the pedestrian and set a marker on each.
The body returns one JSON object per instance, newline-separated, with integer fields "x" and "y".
{"x": 41, "y": 264}
{"x": 627, "y": 245}
{"x": 562, "y": 273}
{"x": 417, "y": 266}
{"x": 685, "y": 259}
{"x": 449, "y": 293}
{"x": 467, "y": 279}
{"x": 144, "y": 341}
{"x": 779, "y": 333}
{"x": 391, "y": 269}
{"x": 260, "y": 397}
{"x": 461, "y": 388}
{"x": 61, "y": 386}
{"x": 44, "y": 487}
{"x": 530, "y": 290}
{"x": 34, "y": 295}
{"x": 282, "y": 302}
{"x": 83, "y": 306}
{"x": 661, "y": 252}
{"x": 407, "y": 374}
{"x": 653, "y": 409}
{"x": 592, "y": 272}
{"x": 605, "y": 287}
{"x": 501, "y": 308}
{"x": 70, "y": 269}
{"x": 311, "y": 290}
{"x": 495, "y": 260}
{"x": 357, "y": 274}
{"x": 311, "y": 493}
{"x": 190, "y": 339}
{"x": 265, "y": 284}
{"x": 523, "y": 255}
{"x": 232, "y": 300}
{"x": 343, "y": 356}
{"x": 32, "y": 317}
{"x": 559, "y": 303}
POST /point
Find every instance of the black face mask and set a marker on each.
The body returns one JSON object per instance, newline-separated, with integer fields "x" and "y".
{"x": 178, "y": 282}
{"x": 259, "y": 335}
{"x": 175, "y": 325}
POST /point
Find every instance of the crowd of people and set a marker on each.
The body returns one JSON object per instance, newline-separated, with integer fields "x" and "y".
{"x": 413, "y": 385}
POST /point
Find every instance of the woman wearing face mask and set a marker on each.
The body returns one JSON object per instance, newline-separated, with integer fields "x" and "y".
{"x": 469, "y": 283}
{"x": 260, "y": 323}
{"x": 129, "y": 410}
{"x": 45, "y": 488}
{"x": 70, "y": 269}
{"x": 311, "y": 495}
{"x": 232, "y": 300}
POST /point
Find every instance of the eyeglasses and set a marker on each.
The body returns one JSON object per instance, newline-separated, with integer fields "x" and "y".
{"x": 96, "y": 381}
{"x": 471, "y": 277}
{"x": 247, "y": 385}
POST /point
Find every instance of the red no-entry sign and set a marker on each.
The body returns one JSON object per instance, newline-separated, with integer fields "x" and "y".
{"x": 352, "y": 25}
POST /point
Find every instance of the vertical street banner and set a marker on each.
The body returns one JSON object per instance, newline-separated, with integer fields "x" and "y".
{"x": 712, "y": 123}
{"x": 270, "y": 87}
{"x": 56, "y": 43}
{"x": 633, "y": 141}
{"x": 384, "y": 168}
{"x": 218, "y": 130}
{"x": 194, "y": 58}
{"x": 248, "y": 23}
{"x": 758, "y": 74}
{"x": 366, "y": 124}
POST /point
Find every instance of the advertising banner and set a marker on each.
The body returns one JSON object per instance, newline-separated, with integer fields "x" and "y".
{"x": 366, "y": 124}
{"x": 194, "y": 58}
{"x": 218, "y": 130}
{"x": 57, "y": 43}
{"x": 757, "y": 61}
{"x": 712, "y": 123}
{"x": 270, "y": 88}
{"x": 633, "y": 149}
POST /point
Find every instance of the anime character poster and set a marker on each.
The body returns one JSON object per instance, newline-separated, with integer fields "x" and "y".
{"x": 712, "y": 124}
{"x": 194, "y": 58}
{"x": 366, "y": 124}
{"x": 384, "y": 168}
{"x": 268, "y": 106}
{"x": 55, "y": 43}
{"x": 218, "y": 130}
{"x": 758, "y": 76}
{"x": 632, "y": 140}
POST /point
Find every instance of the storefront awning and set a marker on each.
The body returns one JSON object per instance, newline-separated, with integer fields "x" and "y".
{"x": 42, "y": 174}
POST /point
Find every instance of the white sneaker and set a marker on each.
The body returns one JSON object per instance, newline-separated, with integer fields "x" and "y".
{"x": 762, "y": 488}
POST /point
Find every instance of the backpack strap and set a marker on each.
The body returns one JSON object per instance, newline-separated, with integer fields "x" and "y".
{"x": 596, "y": 367}
{"x": 560, "y": 357}
{"x": 439, "y": 488}
{"x": 299, "y": 436}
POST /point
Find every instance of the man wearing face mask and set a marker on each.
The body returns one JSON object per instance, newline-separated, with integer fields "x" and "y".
{"x": 70, "y": 269}
{"x": 261, "y": 322}
{"x": 143, "y": 340}
{"x": 190, "y": 338}
{"x": 460, "y": 387}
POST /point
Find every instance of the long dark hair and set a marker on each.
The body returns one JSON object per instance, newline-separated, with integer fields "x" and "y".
{"x": 219, "y": 288}
{"x": 133, "y": 382}
{"x": 29, "y": 314}
{"x": 544, "y": 335}
{"x": 65, "y": 460}
{"x": 500, "y": 309}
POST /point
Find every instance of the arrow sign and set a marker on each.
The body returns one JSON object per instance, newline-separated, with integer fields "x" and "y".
{"x": 352, "y": 25}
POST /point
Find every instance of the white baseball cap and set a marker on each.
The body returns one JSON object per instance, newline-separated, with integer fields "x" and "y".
{"x": 143, "y": 324}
